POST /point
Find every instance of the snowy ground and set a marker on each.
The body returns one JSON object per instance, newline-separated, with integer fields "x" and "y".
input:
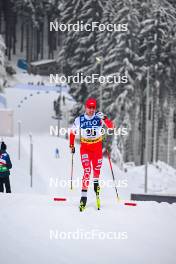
{"x": 27, "y": 220}
{"x": 30, "y": 218}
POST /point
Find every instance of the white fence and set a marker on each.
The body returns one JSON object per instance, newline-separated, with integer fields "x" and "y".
{"x": 6, "y": 123}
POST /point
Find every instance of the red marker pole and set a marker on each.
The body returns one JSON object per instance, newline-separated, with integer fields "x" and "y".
{"x": 60, "y": 199}
{"x": 130, "y": 204}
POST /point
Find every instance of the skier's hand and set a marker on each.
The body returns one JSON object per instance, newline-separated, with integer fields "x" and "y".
{"x": 100, "y": 115}
{"x": 72, "y": 148}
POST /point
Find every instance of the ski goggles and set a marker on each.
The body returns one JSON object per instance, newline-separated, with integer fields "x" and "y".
{"x": 91, "y": 107}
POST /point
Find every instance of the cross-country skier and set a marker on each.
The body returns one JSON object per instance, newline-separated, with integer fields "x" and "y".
{"x": 89, "y": 125}
{"x": 5, "y": 166}
{"x": 57, "y": 153}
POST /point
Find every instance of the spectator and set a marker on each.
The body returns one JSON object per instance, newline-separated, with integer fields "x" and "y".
{"x": 5, "y": 166}
{"x": 63, "y": 98}
{"x": 57, "y": 153}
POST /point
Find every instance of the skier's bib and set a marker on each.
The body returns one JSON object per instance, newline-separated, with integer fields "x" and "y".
{"x": 3, "y": 166}
{"x": 91, "y": 140}
{"x": 90, "y": 129}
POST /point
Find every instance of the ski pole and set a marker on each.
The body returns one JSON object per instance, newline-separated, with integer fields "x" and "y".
{"x": 71, "y": 187}
{"x": 110, "y": 163}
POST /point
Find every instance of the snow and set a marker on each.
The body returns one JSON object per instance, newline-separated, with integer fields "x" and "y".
{"x": 29, "y": 215}
{"x": 161, "y": 180}
{"x": 29, "y": 219}
{"x": 43, "y": 87}
{"x": 2, "y": 100}
{"x": 41, "y": 62}
{"x": 23, "y": 80}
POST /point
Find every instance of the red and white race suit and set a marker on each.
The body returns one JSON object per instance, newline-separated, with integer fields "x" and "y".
{"x": 89, "y": 129}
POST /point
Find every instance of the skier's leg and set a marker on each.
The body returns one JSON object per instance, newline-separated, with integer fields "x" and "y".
{"x": 1, "y": 185}
{"x": 7, "y": 185}
{"x": 85, "y": 159}
{"x": 96, "y": 186}
{"x": 97, "y": 163}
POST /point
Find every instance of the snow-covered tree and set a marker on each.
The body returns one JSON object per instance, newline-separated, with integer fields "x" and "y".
{"x": 119, "y": 50}
{"x": 156, "y": 42}
{"x": 116, "y": 154}
{"x": 79, "y": 48}
{"x": 34, "y": 16}
{"x": 2, "y": 63}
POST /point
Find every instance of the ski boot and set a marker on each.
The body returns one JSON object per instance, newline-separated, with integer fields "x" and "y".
{"x": 97, "y": 192}
{"x": 82, "y": 205}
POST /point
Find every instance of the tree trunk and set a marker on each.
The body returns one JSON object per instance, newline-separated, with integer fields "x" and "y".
{"x": 132, "y": 134}
{"x": 155, "y": 124}
{"x": 9, "y": 41}
{"x": 42, "y": 41}
{"x": 38, "y": 43}
{"x": 14, "y": 33}
{"x": 156, "y": 113}
{"x": 0, "y": 18}
{"x": 22, "y": 36}
{"x": 27, "y": 43}
{"x": 170, "y": 128}
{"x": 30, "y": 41}
{"x": 143, "y": 127}
{"x": 35, "y": 44}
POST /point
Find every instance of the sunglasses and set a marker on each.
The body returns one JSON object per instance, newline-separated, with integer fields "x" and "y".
{"x": 91, "y": 107}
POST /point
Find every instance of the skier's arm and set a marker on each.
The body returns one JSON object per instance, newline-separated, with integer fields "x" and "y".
{"x": 72, "y": 141}
{"x": 74, "y": 128}
{"x": 108, "y": 123}
{"x": 9, "y": 163}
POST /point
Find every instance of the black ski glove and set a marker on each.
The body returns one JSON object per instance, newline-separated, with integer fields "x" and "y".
{"x": 101, "y": 115}
{"x": 72, "y": 149}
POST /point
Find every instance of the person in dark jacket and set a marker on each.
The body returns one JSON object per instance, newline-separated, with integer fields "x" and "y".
{"x": 57, "y": 153}
{"x": 5, "y": 166}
